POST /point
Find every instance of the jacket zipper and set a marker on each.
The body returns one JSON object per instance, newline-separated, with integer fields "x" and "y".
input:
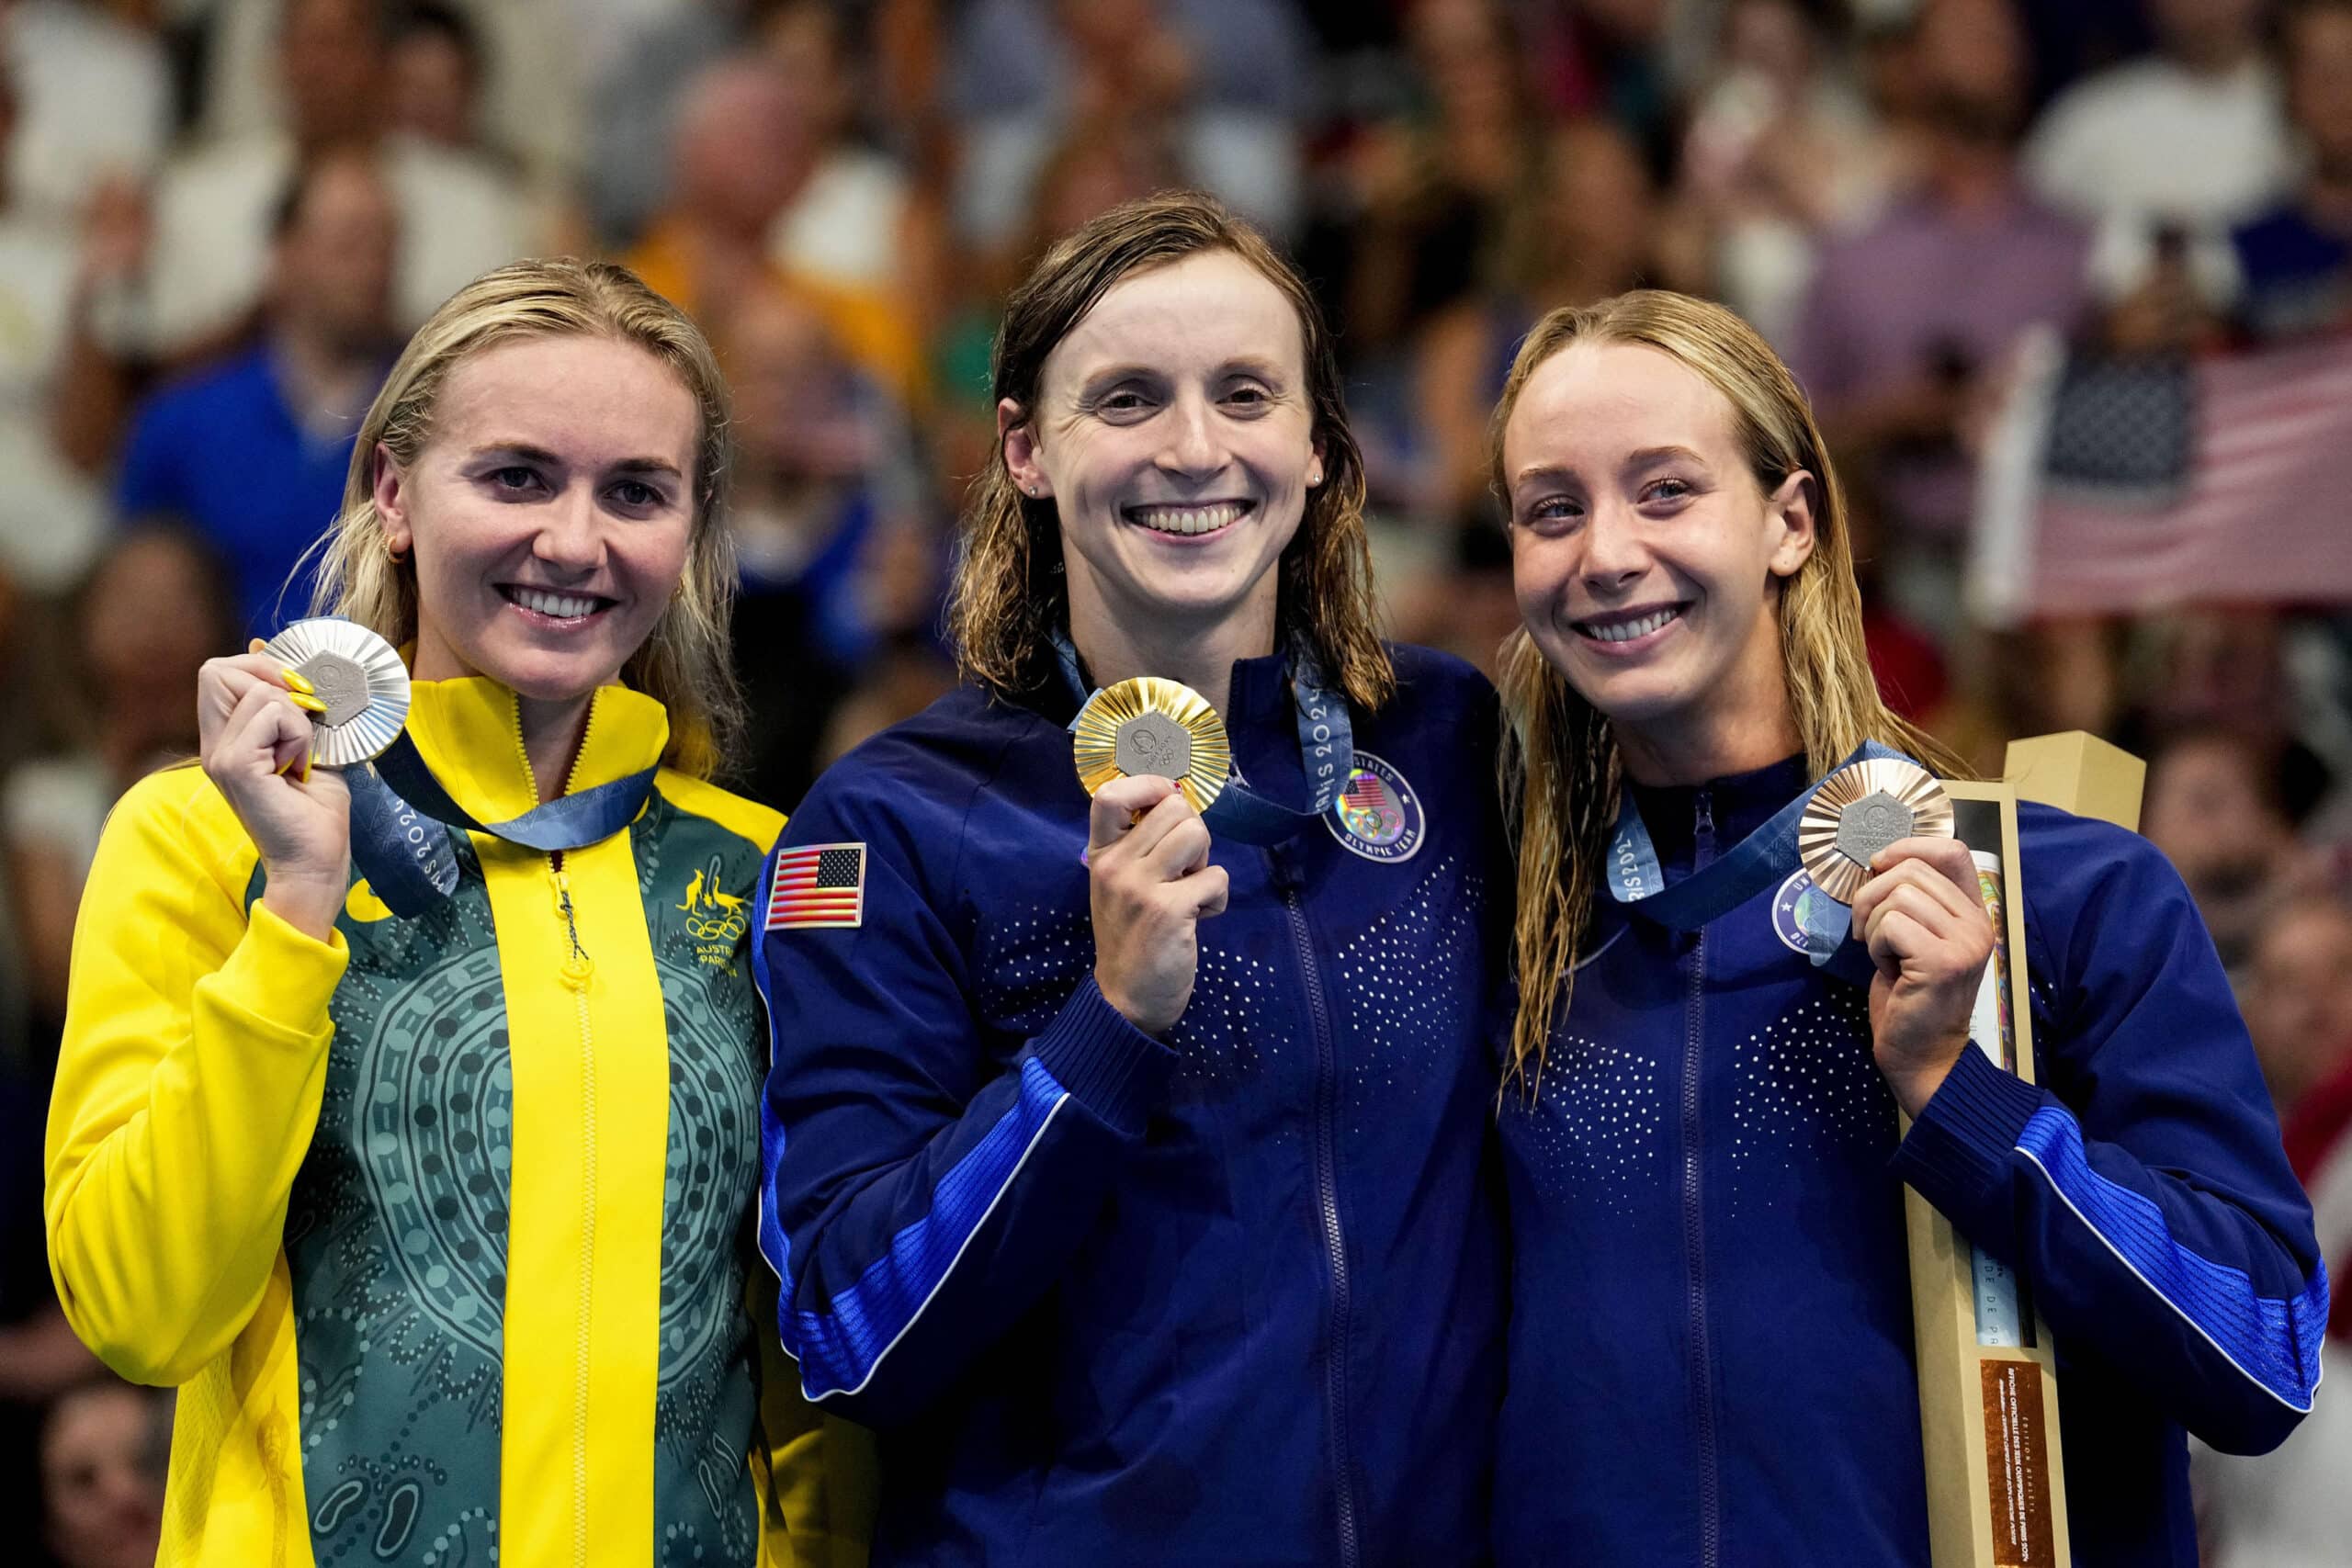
{"x": 1327, "y": 1204}
{"x": 1702, "y": 850}
{"x": 577, "y": 970}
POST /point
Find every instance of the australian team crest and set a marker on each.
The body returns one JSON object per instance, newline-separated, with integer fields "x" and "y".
{"x": 1378, "y": 816}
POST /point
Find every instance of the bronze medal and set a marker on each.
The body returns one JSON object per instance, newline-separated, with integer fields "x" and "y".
{"x": 1156, "y": 727}
{"x": 1859, "y": 810}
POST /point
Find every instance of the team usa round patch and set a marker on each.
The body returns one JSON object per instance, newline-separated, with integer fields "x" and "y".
{"x": 1378, "y": 816}
{"x": 1788, "y": 908}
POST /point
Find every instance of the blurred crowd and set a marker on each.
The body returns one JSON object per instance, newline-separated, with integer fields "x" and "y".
{"x": 219, "y": 217}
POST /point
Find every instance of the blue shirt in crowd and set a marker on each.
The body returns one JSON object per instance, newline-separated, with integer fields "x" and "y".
{"x": 222, "y": 450}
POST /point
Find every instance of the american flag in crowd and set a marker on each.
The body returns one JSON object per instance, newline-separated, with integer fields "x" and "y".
{"x": 2226, "y": 479}
{"x": 817, "y": 884}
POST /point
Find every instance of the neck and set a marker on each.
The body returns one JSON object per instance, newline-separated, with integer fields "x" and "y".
{"x": 1118, "y": 648}
{"x": 1746, "y": 725}
{"x": 551, "y": 735}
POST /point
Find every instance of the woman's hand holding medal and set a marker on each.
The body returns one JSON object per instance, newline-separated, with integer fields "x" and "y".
{"x": 256, "y": 730}
{"x": 1923, "y": 918}
{"x": 1147, "y": 861}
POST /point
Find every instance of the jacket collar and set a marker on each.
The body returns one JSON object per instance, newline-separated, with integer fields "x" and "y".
{"x": 469, "y": 732}
{"x": 1737, "y": 805}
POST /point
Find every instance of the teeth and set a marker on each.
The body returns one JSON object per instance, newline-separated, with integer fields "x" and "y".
{"x": 1626, "y": 631}
{"x": 563, "y": 606}
{"x": 1188, "y": 519}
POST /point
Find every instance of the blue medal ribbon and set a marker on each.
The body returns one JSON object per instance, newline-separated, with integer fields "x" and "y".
{"x": 401, "y": 818}
{"x": 1762, "y": 860}
{"x": 1326, "y": 750}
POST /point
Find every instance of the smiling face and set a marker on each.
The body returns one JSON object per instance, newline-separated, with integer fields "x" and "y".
{"x": 1647, "y": 559}
{"x": 1174, "y": 433}
{"x": 549, "y": 514}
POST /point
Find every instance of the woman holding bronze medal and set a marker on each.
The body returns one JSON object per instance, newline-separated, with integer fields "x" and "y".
{"x": 1711, "y": 1350}
{"x": 1125, "y": 1155}
{"x": 432, "y": 1190}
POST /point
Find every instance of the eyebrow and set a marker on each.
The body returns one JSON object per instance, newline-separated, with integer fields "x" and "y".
{"x": 530, "y": 452}
{"x": 1652, "y": 455}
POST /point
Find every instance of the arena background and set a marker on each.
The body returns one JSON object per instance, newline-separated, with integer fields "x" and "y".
{"x": 2069, "y": 285}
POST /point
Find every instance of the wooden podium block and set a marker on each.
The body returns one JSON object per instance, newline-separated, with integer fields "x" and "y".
{"x": 1988, "y": 1384}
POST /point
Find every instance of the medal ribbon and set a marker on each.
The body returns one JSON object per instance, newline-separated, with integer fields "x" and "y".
{"x": 1327, "y": 750}
{"x": 401, "y": 818}
{"x": 1762, "y": 860}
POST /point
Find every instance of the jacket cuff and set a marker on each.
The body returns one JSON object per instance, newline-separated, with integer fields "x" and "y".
{"x": 281, "y": 979}
{"x": 1959, "y": 1147}
{"x": 1113, "y": 1068}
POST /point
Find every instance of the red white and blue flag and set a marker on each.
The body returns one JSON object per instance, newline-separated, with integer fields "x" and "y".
{"x": 817, "y": 884}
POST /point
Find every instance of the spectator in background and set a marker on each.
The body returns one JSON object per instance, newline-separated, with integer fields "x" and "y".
{"x": 2294, "y": 262}
{"x": 2187, "y": 141}
{"x": 434, "y": 76}
{"x": 252, "y": 452}
{"x": 1587, "y": 228}
{"x": 744, "y": 148}
{"x": 51, "y": 513}
{"x": 637, "y": 89}
{"x": 1782, "y": 150}
{"x": 2298, "y": 996}
{"x": 1227, "y": 82}
{"x": 2212, "y": 807}
{"x": 2290, "y": 1508}
{"x": 102, "y": 1459}
{"x": 1906, "y": 319}
{"x": 210, "y": 262}
{"x": 825, "y": 482}
{"x": 97, "y": 99}
{"x": 154, "y": 608}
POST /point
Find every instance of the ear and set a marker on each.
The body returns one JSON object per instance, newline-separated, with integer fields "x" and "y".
{"x": 1788, "y": 512}
{"x": 1315, "y": 470}
{"x": 1018, "y": 437}
{"x": 391, "y": 493}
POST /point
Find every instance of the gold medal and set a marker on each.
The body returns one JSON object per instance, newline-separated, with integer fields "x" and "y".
{"x": 1860, "y": 809}
{"x": 1152, "y": 726}
{"x": 360, "y": 679}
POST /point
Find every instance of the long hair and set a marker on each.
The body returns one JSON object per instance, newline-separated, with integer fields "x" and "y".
{"x": 1559, "y": 765}
{"x": 684, "y": 662}
{"x": 1010, "y": 595}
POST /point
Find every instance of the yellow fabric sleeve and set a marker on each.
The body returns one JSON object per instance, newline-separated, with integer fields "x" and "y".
{"x": 187, "y": 1086}
{"x": 820, "y": 1472}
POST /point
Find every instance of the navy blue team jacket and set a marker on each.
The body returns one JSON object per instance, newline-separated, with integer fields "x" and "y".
{"x": 1233, "y": 1299}
{"x": 1711, "y": 1348}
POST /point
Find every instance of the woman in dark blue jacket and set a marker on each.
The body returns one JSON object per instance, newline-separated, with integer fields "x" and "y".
{"x": 1128, "y": 1168}
{"x": 1711, "y": 1348}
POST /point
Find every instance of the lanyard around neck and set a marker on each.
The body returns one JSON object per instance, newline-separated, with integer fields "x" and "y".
{"x": 1326, "y": 751}
{"x": 1759, "y": 861}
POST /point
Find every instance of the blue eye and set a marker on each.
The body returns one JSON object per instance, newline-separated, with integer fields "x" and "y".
{"x": 515, "y": 478}
{"x": 637, "y": 493}
{"x": 1668, "y": 489}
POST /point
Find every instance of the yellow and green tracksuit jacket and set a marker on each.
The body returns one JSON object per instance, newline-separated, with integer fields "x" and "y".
{"x": 440, "y": 1227}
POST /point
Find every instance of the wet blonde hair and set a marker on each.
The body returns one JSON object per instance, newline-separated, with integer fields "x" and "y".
{"x": 1559, "y": 765}
{"x": 1010, "y": 594}
{"x": 683, "y": 663}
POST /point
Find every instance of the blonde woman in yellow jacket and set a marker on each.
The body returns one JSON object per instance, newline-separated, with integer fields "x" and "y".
{"x": 441, "y": 1224}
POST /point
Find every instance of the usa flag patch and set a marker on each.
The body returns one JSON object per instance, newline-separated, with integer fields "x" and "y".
{"x": 817, "y": 884}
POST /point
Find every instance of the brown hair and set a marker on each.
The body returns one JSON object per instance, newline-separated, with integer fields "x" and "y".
{"x": 1009, "y": 597}
{"x": 1560, "y": 766}
{"x": 683, "y": 663}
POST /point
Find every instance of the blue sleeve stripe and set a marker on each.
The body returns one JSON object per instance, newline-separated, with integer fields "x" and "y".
{"x": 2275, "y": 1343}
{"x": 840, "y": 1349}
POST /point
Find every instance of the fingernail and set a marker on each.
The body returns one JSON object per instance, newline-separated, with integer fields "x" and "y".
{"x": 283, "y": 766}
{"x": 307, "y": 759}
{"x": 255, "y": 646}
{"x": 306, "y": 703}
{"x": 298, "y": 682}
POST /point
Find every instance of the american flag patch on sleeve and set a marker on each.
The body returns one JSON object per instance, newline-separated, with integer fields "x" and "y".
{"x": 817, "y": 884}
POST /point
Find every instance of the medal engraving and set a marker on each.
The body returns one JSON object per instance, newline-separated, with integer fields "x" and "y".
{"x": 1148, "y": 726}
{"x": 1859, "y": 810}
{"x": 360, "y": 679}
{"x": 1154, "y": 743}
{"x": 341, "y": 683}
